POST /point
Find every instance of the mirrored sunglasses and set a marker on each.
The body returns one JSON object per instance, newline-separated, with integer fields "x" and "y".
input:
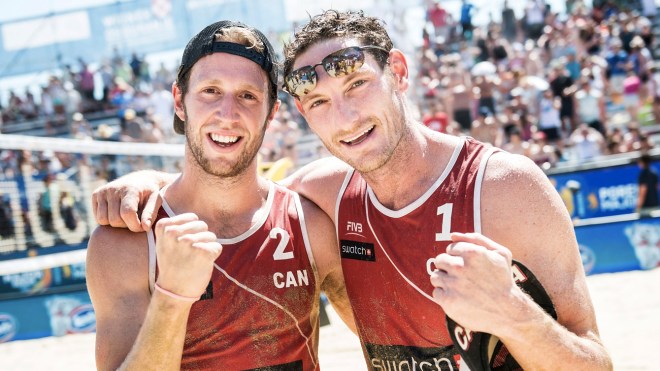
{"x": 343, "y": 62}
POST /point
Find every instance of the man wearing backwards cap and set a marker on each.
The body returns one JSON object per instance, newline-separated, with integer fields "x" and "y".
{"x": 413, "y": 208}
{"x": 230, "y": 275}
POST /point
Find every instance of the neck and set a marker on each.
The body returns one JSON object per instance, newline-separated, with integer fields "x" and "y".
{"x": 228, "y": 205}
{"x": 423, "y": 154}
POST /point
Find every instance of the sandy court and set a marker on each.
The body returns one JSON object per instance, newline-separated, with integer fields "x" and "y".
{"x": 627, "y": 306}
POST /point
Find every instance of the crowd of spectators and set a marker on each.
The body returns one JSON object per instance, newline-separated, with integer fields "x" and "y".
{"x": 554, "y": 88}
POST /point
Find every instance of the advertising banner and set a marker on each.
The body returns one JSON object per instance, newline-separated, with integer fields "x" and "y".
{"x": 620, "y": 245}
{"x": 46, "y": 315}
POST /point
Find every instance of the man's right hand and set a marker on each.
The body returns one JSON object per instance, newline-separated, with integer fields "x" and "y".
{"x": 131, "y": 201}
{"x": 186, "y": 251}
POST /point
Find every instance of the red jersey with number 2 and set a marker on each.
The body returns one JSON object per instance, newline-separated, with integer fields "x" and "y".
{"x": 261, "y": 307}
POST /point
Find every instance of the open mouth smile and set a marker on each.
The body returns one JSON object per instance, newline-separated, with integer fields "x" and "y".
{"x": 358, "y": 138}
{"x": 224, "y": 140}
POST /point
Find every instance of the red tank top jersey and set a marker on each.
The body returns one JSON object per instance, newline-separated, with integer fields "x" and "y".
{"x": 386, "y": 260}
{"x": 261, "y": 307}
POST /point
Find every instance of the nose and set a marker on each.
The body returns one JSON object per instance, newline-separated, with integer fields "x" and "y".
{"x": 347, "y": 111}
{"x": 225, "y": 109}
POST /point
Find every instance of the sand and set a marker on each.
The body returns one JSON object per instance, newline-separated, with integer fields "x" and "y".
{"x": 627, "y": 308}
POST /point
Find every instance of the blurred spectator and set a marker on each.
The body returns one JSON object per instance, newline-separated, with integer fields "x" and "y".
{"x": 647, "y": 194}
{"x": 486, "y": 128}
{"x": 509, "y": 28}
{"x": 80, "y": 128}
{"x": 86, "y": 82}
{"x": 549, "y": 119}
{"x": 437, "y": 16}
{"x": 133, "y": 128}
{"x": 631, "y": 89}
{"x": 587, "y": 143}
{"x": 436, "y": 119}
{"x": 542, "y": 153}
{"x": 616, "y": 61}
{"x": 516, "y": 144}
{"x": 590, "y": 106}
{"x": 466, "y": 19}
{"x": 563, "y": 88}
{"x": 534, "y": 18}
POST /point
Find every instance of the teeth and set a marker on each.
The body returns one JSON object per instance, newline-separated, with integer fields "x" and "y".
{"x": 358, "y": 136}
{"x": 224, "y": 138}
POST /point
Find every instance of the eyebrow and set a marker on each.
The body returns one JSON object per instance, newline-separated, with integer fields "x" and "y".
{"x": 219, "y": 82}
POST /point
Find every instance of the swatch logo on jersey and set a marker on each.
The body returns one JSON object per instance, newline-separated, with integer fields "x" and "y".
{"x": 358, "y": 250}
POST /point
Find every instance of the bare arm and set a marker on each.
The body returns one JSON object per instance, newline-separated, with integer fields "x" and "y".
{"x": 134, "y": 330}
{"x": 525, "y": 215}
{"x": 522, "y": 211}
{"x": 118, "y": 285}
{"x": 130, "y": 201}
{"x": 325, "y": 249}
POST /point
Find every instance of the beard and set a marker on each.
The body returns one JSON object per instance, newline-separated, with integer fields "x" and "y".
{"x": 395, "y": 128}
{"x": 221, "y": 167}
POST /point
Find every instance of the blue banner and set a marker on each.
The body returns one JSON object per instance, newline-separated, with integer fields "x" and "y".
{"x": 139, "y": 26}
{"x": 57, "y": 279}
{"x": 599, "y": 192}
{"x": 620, "y": 245}
{"x": 46, "y": 315}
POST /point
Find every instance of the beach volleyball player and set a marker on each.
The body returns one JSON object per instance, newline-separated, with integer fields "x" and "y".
{"x": 428, "y": 224}
{"x": 229, "y": 277}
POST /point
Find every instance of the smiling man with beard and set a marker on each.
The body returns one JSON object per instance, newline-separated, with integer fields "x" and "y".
{"x": 229, "y": 277}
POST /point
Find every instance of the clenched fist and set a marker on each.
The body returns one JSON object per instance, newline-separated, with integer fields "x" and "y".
{"x": 186, "y": 251}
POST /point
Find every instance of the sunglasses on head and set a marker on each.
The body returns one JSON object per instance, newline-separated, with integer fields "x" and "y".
{"x": 340, "y": 63}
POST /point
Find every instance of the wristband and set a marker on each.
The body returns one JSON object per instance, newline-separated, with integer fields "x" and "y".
{"x": 176, "y": 296}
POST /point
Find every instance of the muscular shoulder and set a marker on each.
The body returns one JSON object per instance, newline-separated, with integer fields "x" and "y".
{"x": 519, "y": 205}
{"x": 319, "y": 181}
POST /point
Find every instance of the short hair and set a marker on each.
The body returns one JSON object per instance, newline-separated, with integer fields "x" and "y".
{"x": 334, "y": 24}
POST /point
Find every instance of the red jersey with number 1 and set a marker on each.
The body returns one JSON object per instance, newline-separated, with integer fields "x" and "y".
{"x": 386, "y": 259}
{"x": 260, "y": 310}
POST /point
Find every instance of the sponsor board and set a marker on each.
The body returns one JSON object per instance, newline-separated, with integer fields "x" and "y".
{"x": 8, "y": 327}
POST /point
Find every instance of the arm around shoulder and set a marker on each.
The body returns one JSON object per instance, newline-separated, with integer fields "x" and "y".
{"x": 319, "y": 181}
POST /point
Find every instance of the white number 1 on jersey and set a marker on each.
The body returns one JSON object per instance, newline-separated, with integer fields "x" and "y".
{"x": 445, "y": 211}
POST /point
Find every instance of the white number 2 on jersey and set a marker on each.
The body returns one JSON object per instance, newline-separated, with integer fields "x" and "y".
{"x": 445, "y": 211}
{"x": 279, "y": 253}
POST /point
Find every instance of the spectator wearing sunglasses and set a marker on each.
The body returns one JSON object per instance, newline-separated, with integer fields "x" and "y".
{"x": 428, "y": 224}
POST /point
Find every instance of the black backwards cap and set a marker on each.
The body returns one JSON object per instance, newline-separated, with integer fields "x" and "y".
{"x": 204, "y": 44}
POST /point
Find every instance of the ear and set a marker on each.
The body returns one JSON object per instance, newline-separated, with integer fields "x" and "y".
{"x": 299, "y": 106}
{"x": 273, "y": 112}
{"x": 399, "y": 67}
{"x": 178, "y": 102}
